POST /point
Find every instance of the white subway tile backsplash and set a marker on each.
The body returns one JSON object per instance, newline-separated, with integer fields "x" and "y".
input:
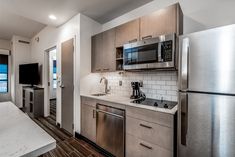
{"x": 155, "y": 84}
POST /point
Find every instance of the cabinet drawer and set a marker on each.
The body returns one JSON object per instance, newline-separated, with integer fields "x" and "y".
{"x": 163, "y": 119}
{"x": 88, "y": 101}
{"x": 139, "y": 148}
{"x": 153, "y": 133}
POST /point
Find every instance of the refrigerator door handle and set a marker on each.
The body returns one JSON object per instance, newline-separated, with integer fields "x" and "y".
{"x": 184, "y": 117}
{"x": 184, "y": 65}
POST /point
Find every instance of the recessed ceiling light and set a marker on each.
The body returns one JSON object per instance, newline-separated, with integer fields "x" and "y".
{"x": 52, "y": 17}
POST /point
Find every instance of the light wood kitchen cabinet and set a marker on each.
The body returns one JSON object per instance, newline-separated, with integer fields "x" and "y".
{"x": 165, "y": 21}
{"x": 104, "y": 52}
{"x": 88, "y": 121}
{"x": 128, "y": 32}
{"x": 136, "y": 147}
{"x": 149, "y": 133}
{"x": 97, "y": 53}
{"x": 109, "y": 51}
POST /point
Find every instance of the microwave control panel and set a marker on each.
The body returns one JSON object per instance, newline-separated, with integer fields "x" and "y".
{"x": 166, "y": 50}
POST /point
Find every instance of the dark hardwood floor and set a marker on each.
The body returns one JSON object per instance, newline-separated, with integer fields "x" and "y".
{"x": 66, "y": 144}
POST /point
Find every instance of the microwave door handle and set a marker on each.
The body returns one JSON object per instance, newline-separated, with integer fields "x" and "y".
{"x": 184, "y": 65}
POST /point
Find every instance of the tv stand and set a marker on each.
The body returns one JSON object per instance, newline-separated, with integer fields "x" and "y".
{"x": 33, "y": 101}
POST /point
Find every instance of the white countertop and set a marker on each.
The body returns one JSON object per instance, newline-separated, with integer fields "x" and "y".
{"x": 20, "y": 136}
{"x": 127, "y": 101}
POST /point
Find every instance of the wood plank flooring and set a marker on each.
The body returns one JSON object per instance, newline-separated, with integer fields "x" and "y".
{"x": 66, "y": 144}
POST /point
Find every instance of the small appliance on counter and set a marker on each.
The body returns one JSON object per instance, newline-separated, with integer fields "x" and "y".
{"x": 136, "y": 92}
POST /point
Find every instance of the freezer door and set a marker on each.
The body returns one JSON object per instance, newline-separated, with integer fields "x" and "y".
{"x": 207, "y": 61}
{"x": 206, "y": 125}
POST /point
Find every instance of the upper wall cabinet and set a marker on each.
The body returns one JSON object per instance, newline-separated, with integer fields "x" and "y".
{"x": 165, "y": 21}
{"x": 97, "y": 53}
{"x": 109, "y": 51}
{"x": 104, "y": 52}
{"x": 128, "y": 32}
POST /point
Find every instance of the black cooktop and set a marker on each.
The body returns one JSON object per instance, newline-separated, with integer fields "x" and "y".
{"x": 155, "y": 103}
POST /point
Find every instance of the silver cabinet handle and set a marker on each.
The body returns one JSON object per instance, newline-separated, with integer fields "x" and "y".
{"x": 144, "y": 145}
{"x": 145, "y": 126}
{"x": 147, "y": 37}
{"x": 98, "y": 70}
{"x": 94, "y": 113}
{"x": 106, "y": 69}
{"x": 134, "y": 40}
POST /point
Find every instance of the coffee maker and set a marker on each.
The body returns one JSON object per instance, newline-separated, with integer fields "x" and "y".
{"x": 136, "y": 93}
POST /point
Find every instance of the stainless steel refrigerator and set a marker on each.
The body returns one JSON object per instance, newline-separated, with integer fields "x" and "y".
{"x": 206, "y": 116}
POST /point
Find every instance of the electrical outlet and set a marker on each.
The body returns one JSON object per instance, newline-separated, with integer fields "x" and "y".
{"x": 120, "y": 83}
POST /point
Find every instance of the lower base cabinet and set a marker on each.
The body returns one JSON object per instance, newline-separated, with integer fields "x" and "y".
{"x": 88, "y": 119}
{"x": 138, "y": 148}
{"x": 148, "y": 133}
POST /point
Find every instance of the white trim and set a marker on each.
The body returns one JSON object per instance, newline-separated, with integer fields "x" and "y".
{"x": 4, "y": 52}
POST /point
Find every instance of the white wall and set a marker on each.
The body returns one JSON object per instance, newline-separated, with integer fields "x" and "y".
{"x": 5, "y": 44}
{"x": 88, "y": 28}
{"x": 20, "y": 55}
{"x": 50, "y": 37}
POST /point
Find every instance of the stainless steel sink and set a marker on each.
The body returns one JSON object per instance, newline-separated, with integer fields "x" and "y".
{"x": 99, "y": 94}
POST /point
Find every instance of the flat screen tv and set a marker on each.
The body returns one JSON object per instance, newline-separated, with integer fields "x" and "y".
{"x": 29, "y": 74}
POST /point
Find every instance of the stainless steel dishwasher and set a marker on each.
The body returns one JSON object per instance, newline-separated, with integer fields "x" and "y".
{"x": 110, "y": 129}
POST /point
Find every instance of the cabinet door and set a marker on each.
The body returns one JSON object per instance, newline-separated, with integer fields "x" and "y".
{"x": 128, "y": 32}
{"x": 109, "y": 51}
{"x": 88, "y": 118}
{"x": 97, "y": 53}
{"x": 161, "y": 22}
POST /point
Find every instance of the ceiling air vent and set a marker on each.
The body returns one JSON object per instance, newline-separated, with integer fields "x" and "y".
{"x": 24, "y": 42}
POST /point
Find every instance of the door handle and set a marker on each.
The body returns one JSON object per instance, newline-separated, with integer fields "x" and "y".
{"x": 184, "y": 64}
{"x": 184, "y": 117}
{"x": 109, "y": 113}
{"x": 62, "y": 86}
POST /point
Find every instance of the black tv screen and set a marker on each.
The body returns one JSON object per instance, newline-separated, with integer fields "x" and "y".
{"x": 29, "y": 74}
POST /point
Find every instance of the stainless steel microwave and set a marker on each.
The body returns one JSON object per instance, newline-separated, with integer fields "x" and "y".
{"x": 154, "y": 53}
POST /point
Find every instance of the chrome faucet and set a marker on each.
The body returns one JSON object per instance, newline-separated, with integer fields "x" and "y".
{"x": 106, "y": 90}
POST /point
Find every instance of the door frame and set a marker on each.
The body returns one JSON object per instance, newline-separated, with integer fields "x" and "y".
{"x": 47, "y": 79}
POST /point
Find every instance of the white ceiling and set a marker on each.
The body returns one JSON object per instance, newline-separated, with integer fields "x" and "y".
{"x": 38, "y": 10}
{"x": 27, "y": 17}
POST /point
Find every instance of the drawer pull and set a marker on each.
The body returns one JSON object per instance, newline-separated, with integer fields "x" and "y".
{"x": 98, "y": 70}
{"x": 106, "y": 69}
{"x": 148, "y": 147}
{"x": 145, "y": 126}
{"x": 134, "y": 40}
{"x": 147, "y": 37}
{"x": 94, "y": 114}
